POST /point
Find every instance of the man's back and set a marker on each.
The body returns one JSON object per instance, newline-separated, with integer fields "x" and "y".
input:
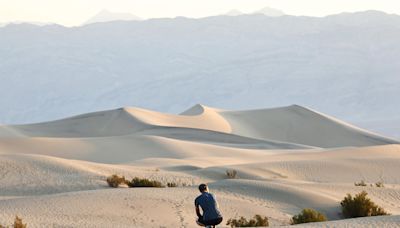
{"x": 209, "y": 205}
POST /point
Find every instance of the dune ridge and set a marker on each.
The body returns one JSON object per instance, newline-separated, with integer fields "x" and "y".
{"x": 292, "y": 124}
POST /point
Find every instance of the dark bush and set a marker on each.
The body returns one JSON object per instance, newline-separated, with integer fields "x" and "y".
{"x": 139, "y": 182}
{"x": 360, "y": 206}
{"x": 172, "y": 185}
{"x": 114, "y": 181}
{"x": 257, "y": 220}
{"x": 308, "y": 215}
{"x": 379, "y": 184}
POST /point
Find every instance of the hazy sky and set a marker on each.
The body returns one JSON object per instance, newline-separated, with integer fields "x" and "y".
{"x": 75, "y": 12}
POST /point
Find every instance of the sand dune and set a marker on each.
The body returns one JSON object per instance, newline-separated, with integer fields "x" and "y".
{"x": 286, "y": 158}
{"x": 300, "y": 125}
{"x": 120, "y": 122}
{"x": 292, "y": 124}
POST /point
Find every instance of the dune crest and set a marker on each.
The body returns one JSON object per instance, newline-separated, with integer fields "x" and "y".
{"x": 198, "y": 117}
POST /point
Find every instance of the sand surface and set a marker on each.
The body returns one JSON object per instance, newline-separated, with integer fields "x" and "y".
{"x": 53, "y": 174}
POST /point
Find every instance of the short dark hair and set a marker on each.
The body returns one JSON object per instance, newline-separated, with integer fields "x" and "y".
{"x": 202, "y": 187}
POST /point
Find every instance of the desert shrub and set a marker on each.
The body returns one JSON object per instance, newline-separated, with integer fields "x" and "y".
{"x": 172, "y": 185}
{"x": 184, "y": 184}
{"x": 114, "y": 181}
{"x": 308, "y": 215}
{"x": 361, "y": 183}
{"x": 139, "y": 182}
{"x": 360, "y": 206}
{"x": 257, "y": 220}
{"x": 231, "y": 173}
{"x": 379, "y": 184}
{"x": 18, "y": 223}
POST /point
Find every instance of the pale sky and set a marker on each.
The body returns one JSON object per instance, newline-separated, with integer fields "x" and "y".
{"x": 75, "y": 12}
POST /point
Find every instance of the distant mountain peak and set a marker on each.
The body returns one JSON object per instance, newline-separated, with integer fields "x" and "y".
{"x": 271, "y": 12}
{"x": 234, "y": 12}
{"x": 106, "y": 16}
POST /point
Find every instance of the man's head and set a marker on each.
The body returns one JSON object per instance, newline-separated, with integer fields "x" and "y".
{"x": 203, "y": 188}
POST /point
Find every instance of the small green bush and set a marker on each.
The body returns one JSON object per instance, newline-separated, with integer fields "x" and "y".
{"x": 308, "y": 215}
{"x": 360, "y": 206}
{"x": 231, "y": 173}
{"x": 361, "y": 183}
{"x": 256, "y": 221}
{"x": 114, "y": 181}
{"x": 379, "y": 184}
{"x": 138, "y": 182}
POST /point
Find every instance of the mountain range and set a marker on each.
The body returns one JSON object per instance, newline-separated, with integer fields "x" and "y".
{"x": 344, "y": 64}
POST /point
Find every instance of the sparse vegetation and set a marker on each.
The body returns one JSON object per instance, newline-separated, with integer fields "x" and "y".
{"x": 172, "y": 185}
{"x": 143, "y": 182}
{"x": 115, "y": 180}
{"x": 360, "y": 206}
{"x": 17, "y": 223}
{"x": 361, "y": 183}
{"x": 231, "y": 173}
{"x": 256, "y": 221}
{"x": 308, "y": 215}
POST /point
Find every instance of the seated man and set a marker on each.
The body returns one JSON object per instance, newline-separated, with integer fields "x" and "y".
{"x": 211, "y": 215}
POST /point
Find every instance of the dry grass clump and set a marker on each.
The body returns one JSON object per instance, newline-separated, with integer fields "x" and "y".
{"x": 360, "y": 206}
{"x": 115, "y": 181}
{"x": 143, "y": 182}
{"x": 17, "y": 223}
{"x": 231, "y": 173}
{"x": 256, "y": 221}
{"x": 308, "y": 215}
{"x": 361, "y": 183}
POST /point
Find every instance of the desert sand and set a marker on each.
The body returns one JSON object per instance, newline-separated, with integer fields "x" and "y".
{"x": 289, "y": 158}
